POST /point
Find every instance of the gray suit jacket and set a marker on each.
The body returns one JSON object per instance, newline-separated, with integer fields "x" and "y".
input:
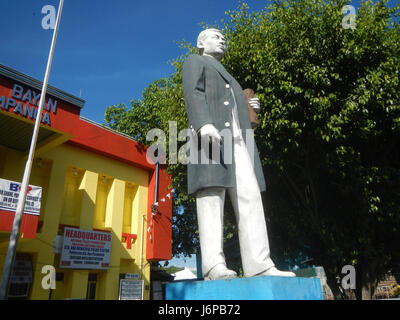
{"x": 207, "y": 89}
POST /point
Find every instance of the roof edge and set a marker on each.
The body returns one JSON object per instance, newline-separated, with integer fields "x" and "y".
{"x": 32, "y": 82}
{"x": 102, "y": 126}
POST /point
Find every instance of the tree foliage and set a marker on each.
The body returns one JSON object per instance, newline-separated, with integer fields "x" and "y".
{"x": 328, "y": 135}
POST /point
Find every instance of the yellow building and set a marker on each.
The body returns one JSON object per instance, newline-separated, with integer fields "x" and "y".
{"x": 95, "y": 182}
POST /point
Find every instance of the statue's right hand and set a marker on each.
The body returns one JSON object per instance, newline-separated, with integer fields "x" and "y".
{"x": 210, "y": 131}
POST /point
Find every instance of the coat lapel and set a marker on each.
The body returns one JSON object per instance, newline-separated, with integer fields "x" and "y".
{"x": 219, "y": 67}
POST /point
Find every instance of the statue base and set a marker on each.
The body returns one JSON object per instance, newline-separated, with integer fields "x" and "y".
{"x": 253, "y": 288}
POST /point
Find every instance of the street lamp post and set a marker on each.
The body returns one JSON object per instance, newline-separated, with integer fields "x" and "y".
{"x": 12, "y": 246}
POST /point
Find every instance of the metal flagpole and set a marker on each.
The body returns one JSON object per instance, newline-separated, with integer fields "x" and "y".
{"x": 12, "y": 246}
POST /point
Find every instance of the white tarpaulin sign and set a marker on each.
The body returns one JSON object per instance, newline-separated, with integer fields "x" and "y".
{"x": 130, "y": 289}
{"x": 9, "y": 194}
{"x": 85, "y": 249}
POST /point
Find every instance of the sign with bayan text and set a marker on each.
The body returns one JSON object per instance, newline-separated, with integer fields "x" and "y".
{"x": 25, "y": 102}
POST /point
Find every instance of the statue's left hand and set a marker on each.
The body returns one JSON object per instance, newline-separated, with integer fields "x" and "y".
{"x": 255, "y": 104}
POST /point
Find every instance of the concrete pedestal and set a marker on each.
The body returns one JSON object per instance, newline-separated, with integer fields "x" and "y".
{"x": 254, "y": 288}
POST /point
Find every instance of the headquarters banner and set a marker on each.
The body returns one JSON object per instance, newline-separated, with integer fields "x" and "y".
{"x": 9, "y": 194}
{"x": 85, "y": 249}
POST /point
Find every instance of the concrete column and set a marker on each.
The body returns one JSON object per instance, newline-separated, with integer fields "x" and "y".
{"x": 89, "y": 188}
{"x": 77, "y": 284}
{"x": 109, "y": 282}
{"x": 49, "y": 230}
{"x": 54, "y": 199}
{"x": 43, "y": 257}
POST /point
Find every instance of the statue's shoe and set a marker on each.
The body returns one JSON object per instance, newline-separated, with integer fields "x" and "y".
{"x": 275, "y": 272}
{"x": 220, "y": 272}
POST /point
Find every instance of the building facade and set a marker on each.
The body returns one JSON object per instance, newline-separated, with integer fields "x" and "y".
{"x": 95, "y": 228}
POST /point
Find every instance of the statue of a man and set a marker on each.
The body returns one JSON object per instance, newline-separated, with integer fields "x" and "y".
{"x": 216, "y": 102}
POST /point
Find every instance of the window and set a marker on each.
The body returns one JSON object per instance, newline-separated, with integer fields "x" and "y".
{"x": 21, "y": 277}
{"x": 91, "y": 286}
{"x": 18, "y": 290}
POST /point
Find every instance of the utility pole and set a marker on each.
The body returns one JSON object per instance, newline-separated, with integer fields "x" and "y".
{"x": 12, "y": 246}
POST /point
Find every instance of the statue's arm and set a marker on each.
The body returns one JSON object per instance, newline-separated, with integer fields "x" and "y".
{"x": 194, "y": 91}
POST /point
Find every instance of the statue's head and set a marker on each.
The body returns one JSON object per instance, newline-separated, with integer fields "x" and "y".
{"x": 211, "y": 42}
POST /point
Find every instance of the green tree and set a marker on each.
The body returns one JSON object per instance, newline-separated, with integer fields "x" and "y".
{"x": 328, "y": 134}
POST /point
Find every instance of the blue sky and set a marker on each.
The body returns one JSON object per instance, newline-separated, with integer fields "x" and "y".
{"x": 189, "y": 262}
{"x": 107, "y": 52}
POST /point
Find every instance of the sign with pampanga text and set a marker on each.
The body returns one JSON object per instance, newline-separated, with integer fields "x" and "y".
{"x": 9, "y": 194}
{"x": 25, "y": 102}
{"x": 85, "y": 249}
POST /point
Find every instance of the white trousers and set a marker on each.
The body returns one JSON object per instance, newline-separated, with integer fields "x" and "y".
{"x": 247, "y": 204}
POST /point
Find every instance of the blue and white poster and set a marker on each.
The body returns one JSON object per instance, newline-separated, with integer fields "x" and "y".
{"x": 9, "y": 195}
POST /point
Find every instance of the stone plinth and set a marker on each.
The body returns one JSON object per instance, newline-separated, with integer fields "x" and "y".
{"x": 254, "y": 288}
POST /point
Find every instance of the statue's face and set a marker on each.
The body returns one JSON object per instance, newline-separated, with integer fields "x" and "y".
{"x": 214, "y": 44}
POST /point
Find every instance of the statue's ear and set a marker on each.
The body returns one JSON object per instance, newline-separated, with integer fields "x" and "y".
{"x": 200, "y": 46}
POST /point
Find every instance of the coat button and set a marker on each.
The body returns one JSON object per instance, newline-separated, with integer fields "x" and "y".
{"x": 226, "y": 103}
{"x": 227, "y": 86}
{"x": 227, "y": 124}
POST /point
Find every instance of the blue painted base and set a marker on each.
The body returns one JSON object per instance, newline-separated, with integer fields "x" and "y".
{"x": 254, "y": 288}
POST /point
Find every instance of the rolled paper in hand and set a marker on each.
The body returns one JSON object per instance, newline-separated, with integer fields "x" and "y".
{"x": 253, "y": 115}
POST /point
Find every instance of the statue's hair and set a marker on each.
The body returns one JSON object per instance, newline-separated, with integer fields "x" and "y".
{"x": 203, "y": 35}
